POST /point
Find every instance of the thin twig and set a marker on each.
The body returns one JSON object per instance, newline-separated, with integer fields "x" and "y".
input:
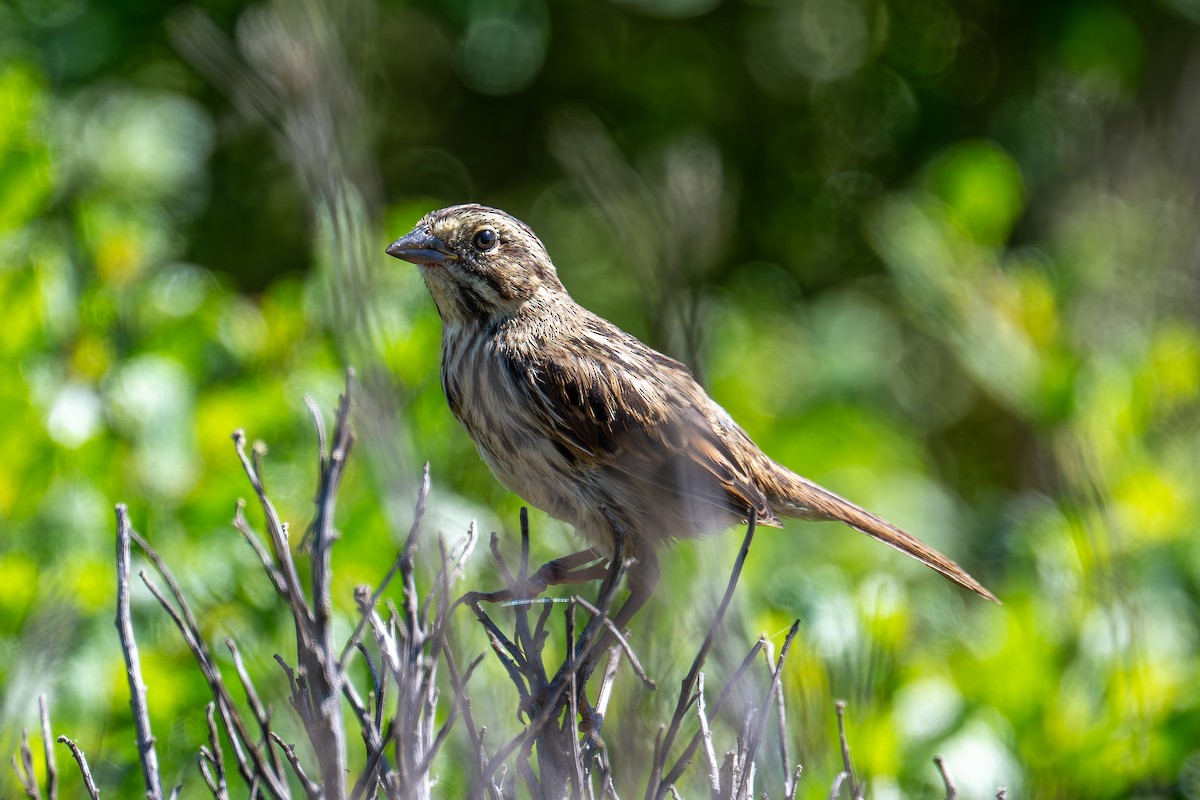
{"x": 242, "y": 526}
{"x": 277, "y": 537}
{"x": 656, "y": 787}
{"x": 608, "y": 680}
{"x": 572, "y": 697}
{"x": 256, "y": 705}
{"x": 836, "y": 789}
{"x": 685, "y": 759}
{"x": 847, "y": 765}
{"x": 402, "y": 557}
{"x": 710, "y": 753}
{"x": 322, "y": 666}
{"x": 133, "y": 665}
{"x": 48, "y": 749}
{"x": 80, "y": 759}
{"x": 776, "y": 675}
{"x": 795, "y": 784}
{"x": 249, "y": 758}
{"x": 947, "y": 778}
{"x": 221, "y": 788}
{"x": 370, "y": 774}
{"x": 781, "y": 707}
{"x": 203, "y": 759}
{"x": 473, "y": 732}
{"x": 24, "y": 768}
{"x": 561, "y": 680}
{"x": 622, "y": 642}
{"x": 231, "y": 718}
{"x": 311, "y": 789}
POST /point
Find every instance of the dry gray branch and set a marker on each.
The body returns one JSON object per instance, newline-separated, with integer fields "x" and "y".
{"x": 710, "y": 753}
{"x": 249, "y": 758}
{"x": 133, "y": 665}
{"x": 750, "y": 748}
{"x": 785, "y": 762}
{"x": 84, "y": 770}
{"x": 216, "y": 783}
{"x": 847, "y": 765}
{"x": 656, "y": 788}
{"x": 556, "y": 707}
{"x": 311, "y": 789}
{"x": 24, "y": 768}
{"x": 48, "y": 749}
{"x": 685, "y": 759}
{"x": 947, "y": 778}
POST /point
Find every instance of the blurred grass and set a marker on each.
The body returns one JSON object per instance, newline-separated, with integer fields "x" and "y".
{"x": 939, "y": 256}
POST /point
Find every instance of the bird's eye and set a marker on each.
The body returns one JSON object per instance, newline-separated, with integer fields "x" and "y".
{"x": 484, "y": 240}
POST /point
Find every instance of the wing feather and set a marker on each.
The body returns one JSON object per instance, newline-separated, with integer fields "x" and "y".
{"x": 614, "y": 402}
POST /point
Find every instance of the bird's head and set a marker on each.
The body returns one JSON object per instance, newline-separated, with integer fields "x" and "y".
{"x": 480, "y": 264}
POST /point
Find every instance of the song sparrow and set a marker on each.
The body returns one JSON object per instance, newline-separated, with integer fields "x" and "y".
{"x": 588, "y": 423}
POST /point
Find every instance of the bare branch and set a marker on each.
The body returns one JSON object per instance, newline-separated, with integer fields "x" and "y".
{"x": 80, "y": 759}
{"x": 836, "y": 789}
{"x": 622, "y": 642}
{"x": 710, "y": 754}
{"x": 685, "y": 758}
{"x": 243, "y": 527}
{"x": 48, "y": 749}
{"x": 311, "y": 789}
{"x": 580, "y": 658}
{"x": 947, "y": 778}
{"x": 217, "y": 785}
{"x": 656, "y": 787}
{"x": 133, "y": 664}
{"x": 608, "y": 680}
{"x": 760, "y": 726}
{"x": 277, "y": 537}
{"x": 781, "y": 707}
{"x": 847, "y": 765}
{"x": 402, "y": 558}
{"x": 24, "y": 769}
{"x": 249, "y": 759}
{"x": 795, "y": 783}
{"x": 256, "y": 705}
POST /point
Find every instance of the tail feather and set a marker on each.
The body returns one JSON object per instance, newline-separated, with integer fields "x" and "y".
{"x": 800, "y": 497}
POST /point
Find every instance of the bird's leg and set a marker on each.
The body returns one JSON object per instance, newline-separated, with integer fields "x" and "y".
{"x": 564, "y": 570}
{"x": 641, "y": 580}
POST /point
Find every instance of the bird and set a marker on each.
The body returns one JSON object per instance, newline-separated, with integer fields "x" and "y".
{"x": 594, "y": 427}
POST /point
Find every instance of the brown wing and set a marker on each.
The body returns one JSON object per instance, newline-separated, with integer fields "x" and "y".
{"x": 614, "y": 401}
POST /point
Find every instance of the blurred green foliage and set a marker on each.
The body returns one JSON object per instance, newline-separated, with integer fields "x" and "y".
{"x": 939, "y": 255}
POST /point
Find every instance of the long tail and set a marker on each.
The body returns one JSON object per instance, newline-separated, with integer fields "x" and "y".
{"x": 800, "y": 497}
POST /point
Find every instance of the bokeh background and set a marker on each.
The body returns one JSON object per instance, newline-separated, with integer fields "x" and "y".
{"x": 938, "y": 255}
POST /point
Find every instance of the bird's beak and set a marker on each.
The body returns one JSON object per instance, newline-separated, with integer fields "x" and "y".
{"x": 421, "y": 247}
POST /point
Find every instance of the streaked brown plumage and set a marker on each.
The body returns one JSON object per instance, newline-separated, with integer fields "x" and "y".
{"x": 577, "y": 416}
